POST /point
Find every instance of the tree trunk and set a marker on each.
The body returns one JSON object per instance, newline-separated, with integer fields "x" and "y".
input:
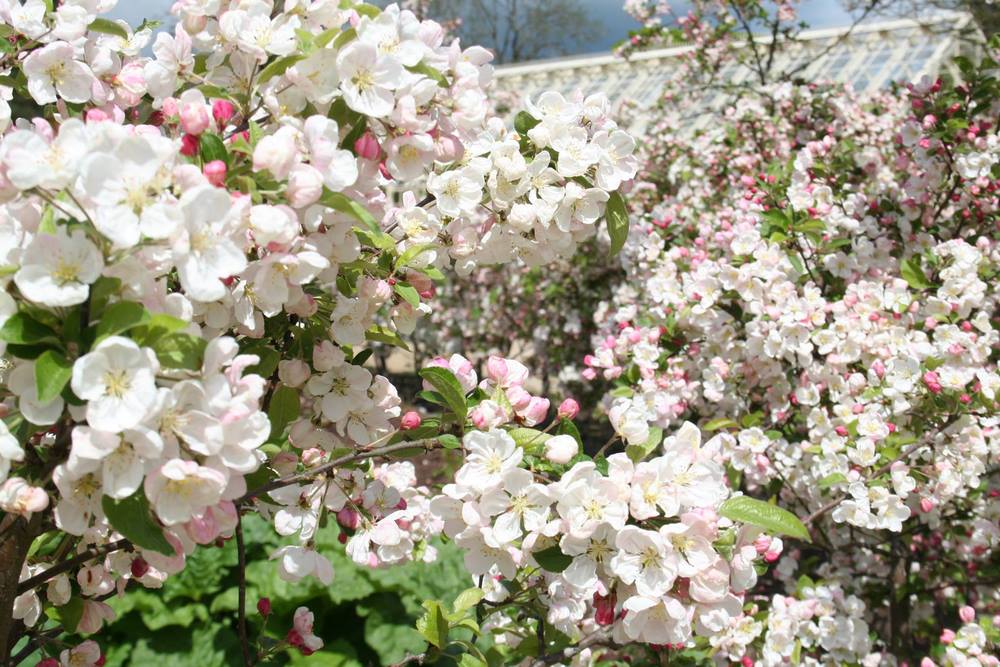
{"x": 16, "y": 535}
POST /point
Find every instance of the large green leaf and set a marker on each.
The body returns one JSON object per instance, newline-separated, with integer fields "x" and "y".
{"x": 22, "y": 329}
{"x": 764, "y": 515}
{"x": 282, "y": 410}
{"x": 131, "y": 517}
{"x": 119, "y": 318}
{"x": 616, "y": 215}
{"x": 445, "y": 382}
{"x": 52, "y": 373}
{"x": 180, "y": 350}
{"x": 433, "y": 625}
{"x": 553, "y": 559}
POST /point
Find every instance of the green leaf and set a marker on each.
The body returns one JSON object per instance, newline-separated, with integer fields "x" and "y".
{"x": 764, "y": 515}
{"x": 523, "y": 122}
{"x": 468, "y": 599}
{"x": 412, "y": 253}
{"x": 639, "y": 452}
{"x": 616, "y": 216}
{"x": 22, "y": 329}
{"x": 567, "y": 427}
{"x": 430, "y": 73}
{"x": 180, "y": 350}
{"x": 282, "y": 410}
{"x": 831, "y": 480}
{"x": 120, "y": 317}
{"x": 278, "y": 67}
{"x": 552, "y": 559}
{"x": 914, "y": 275}
{"x": 528, "y": 438}
{"x": 433, "y": 625}
{"x": 52, "y": 373}
{"x": 718, "y": 424}
{"x": 159, "y": 325}
{"x": 445, "y": 382}
{"x": 70, "y": 614}
{"x": 131, "y": 518}
{"x": 408, "y": 293}
{"x": 345, "y": 204}
{"x": 212, "y": 148}
{"x": 387, "y": 336}
{"x": 449, "y": 441}
{"x": 108, "y": 27}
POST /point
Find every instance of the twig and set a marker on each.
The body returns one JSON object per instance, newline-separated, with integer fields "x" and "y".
{"x": 67, "y": 565}
{"x": 599, "y": 637}
{"x": 241, "y": 553}
{"x": 426, "y": 443}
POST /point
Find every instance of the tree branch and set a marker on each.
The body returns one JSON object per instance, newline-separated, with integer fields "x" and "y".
{"x": 305, "y": 476}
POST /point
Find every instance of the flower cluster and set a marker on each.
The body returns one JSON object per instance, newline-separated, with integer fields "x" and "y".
{"x": 201, "y": 249}
{"x": 818, "y": 286}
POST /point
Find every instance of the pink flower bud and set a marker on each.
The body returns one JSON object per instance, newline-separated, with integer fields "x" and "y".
{"x": 604, "y": 609}
{"x": 194, "y": 118}
{"x": 496, "y": 368}
{"x": 312, "y": 456}
{"x": 947, "y": 636}
{"x": 409, "y": 421}
{"x": 519, "y": 398}
{"x": 48, "y": 662}
{"x": 367, "y": 146}
{"x": 189, "y": 145}
{"x": 169, "y": 107}
{"x": 264, "y": 607}
{"x": 762, "y": 544}
{"x": 879, "y": 368}
{"x": 927, "y": 662}
{"x": 96, "y": 116}
{"x": 349, "y": 518}
{"x": 222, "y": 111}
{"x": 536, "y": 411}
{"x": 772, "y": 556}
{"x": 967, "y": 614}
{"x": 215, "y": 172}
{"x": 568, "y": 409}
{"x": 841, "y": 431}
{"x": 139, "y": 567}
{"x": 746, "y": 661}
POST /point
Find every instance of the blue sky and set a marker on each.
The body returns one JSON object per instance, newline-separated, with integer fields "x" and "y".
{"x": 615, "y": 23}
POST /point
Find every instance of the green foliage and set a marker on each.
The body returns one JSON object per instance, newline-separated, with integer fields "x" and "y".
{"x": 764, "y": 515}
{"x": 365, "y": 617}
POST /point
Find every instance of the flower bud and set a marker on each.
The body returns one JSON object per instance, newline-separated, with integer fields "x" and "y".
{"x": 410, "y": 420}
{"x": 293, "y": 372}
{"x": 967, "y": 614}
{"x": 264, "y": 607}
{"x": 194, "y": 118}
{"x": 349, "y": 518}
{"x": 568, "y": 409}
{"x": 189, "y": 145}
{"x": 222, "y": 112}
{"x": 215, "y": 172}
{"x": 536, "y": 411}
{"x": 139, "y": 567}
{"x": 367, "y": 146}
{"x": 561, "y": 449}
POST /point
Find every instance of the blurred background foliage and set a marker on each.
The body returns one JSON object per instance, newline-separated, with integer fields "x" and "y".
{"x": 366, "y": 616}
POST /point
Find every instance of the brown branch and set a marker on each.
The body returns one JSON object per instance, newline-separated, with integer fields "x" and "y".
{"x": 305, "y": 476}
{"x": 67, "y": 565}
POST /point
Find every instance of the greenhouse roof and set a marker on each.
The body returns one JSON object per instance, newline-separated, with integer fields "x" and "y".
{"x": 868, "y": 55}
